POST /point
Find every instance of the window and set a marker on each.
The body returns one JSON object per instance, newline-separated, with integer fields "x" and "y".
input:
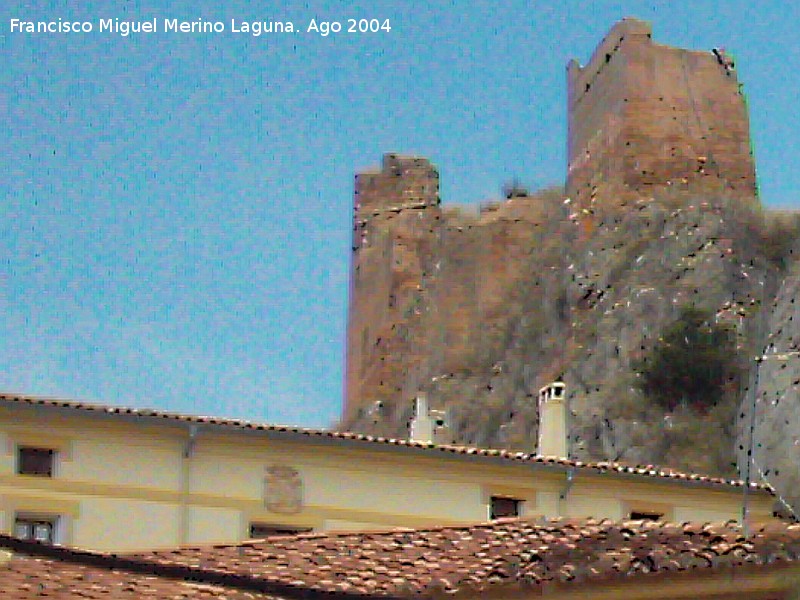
{"x": 35, "y": 461}
{"x": 39, "y": 528}
{"x": 639, "y": 515}
{"x": 262, "y": 530}
{"x": 500, "y": 506}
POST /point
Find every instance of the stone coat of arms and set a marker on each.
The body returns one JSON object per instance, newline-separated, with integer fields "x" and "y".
{"x": 283, "y": 490}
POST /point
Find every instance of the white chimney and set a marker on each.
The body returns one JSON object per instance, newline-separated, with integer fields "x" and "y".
{"x": 553, "y": 420}
{"x": 428, "y": 426}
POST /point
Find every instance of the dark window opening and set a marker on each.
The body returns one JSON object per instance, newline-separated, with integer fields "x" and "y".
{"x": 637, "y": 515}
{"x": 35, "y": 461}
{"x": 263, "y": 530}
{"x": 41, "y": 529}
{"x": 500, "y": 507}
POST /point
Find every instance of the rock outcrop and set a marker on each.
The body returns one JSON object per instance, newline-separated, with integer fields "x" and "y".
{"x": 478, "y": 310}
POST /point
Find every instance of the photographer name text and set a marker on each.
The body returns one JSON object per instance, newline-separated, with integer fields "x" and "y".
{"x": 126, "y": 28}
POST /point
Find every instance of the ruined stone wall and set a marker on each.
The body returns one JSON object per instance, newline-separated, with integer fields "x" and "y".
{"x": 395, "y": 232}
{"x": 487, "y": 265}
{"x": 644, "y": 117}
{"x": 431, "y": 290}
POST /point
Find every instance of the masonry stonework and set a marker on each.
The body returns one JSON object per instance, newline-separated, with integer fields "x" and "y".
{"x": 396, "y": 220}
{"x": 643, "y": 117}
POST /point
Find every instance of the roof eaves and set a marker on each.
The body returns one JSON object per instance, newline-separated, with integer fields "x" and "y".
{"x": 357, "y": 440}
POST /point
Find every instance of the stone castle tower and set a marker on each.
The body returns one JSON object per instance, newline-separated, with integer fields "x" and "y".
{"x": 395, "y": 233}
{"x": 643, "y": 117}
{"x": 428, "y": 287}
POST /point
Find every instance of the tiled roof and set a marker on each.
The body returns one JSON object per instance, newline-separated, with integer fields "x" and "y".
{"x": 78, "y": 575}
{"x": 517, "y": 552}
{"x": 446, "y": 449}
{"x": 29, "y": 569}
{"x": 400, "y": 563}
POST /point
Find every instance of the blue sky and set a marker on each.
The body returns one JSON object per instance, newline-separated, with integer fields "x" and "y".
{"x": 176, "y": 218}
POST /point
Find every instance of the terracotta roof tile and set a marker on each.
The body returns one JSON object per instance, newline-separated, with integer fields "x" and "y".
{"x": 511, "y": 551}
{"x": 650, "y": 471}
{"x": 24, "y": 577}
{"x": 29, "y": 569}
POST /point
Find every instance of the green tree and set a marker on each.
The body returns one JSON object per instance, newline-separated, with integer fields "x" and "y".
{"x": 695, "y": 363}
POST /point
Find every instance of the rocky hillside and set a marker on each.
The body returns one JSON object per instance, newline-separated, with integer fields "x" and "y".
{"x": 777, "y": 402}
{"x": 531, "y": 289}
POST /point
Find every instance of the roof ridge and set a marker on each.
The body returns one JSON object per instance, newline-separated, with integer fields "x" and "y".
{"x": 543, "y": 523}
{"x": 567, "y": 463}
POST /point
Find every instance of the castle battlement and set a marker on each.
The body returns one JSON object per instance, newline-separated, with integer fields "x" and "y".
{"x": 401, "y": 180}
